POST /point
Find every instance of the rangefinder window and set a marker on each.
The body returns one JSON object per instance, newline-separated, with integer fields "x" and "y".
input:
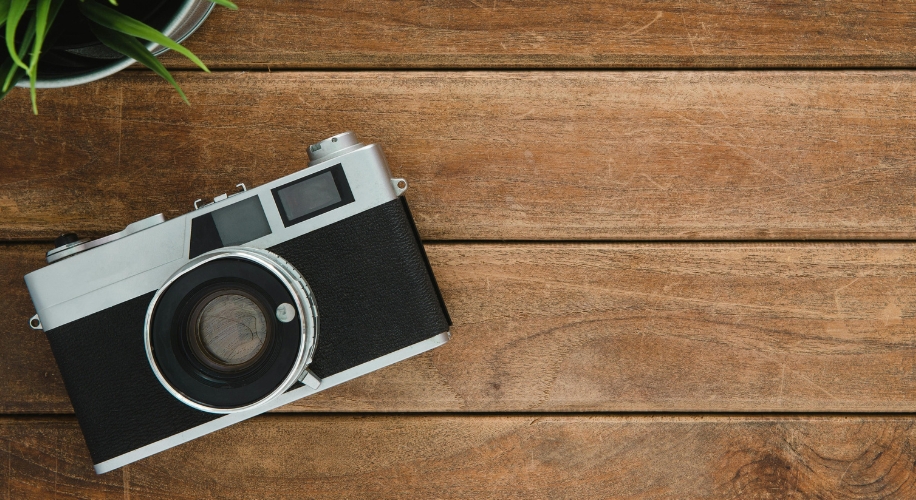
{"x": 313, "y": 195}
{"x": 235, "y": 224}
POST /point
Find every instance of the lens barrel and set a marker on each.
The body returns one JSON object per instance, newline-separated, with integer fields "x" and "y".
{"x": 213, "y": 338}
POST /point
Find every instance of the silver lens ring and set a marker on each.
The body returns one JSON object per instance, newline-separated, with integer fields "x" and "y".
{"x": 305, "y": 306}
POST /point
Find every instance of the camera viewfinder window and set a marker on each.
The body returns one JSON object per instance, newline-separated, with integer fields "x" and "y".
{"x": 313, "y": 195}
{"x": 234, "y": 224}
{"x": 241, "y": 222}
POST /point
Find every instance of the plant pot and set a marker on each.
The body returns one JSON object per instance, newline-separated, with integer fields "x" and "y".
{"x": 75, "y": 58}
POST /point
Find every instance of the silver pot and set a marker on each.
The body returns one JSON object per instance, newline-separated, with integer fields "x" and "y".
{"x": 188, "y": 18}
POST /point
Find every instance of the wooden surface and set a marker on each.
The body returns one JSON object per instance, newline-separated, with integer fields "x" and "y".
{"x": 274, "y": 34}
{"x": 520, "y": 155}
{"x": 602, "y": 327}
{"x": 520, "y": 456}
{"x": 690, "y": 280}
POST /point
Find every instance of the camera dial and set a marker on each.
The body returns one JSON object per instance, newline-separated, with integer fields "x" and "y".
{"x": 62, "y": 244}
{"x": 66, "y": 239}
{"x": 333, "y": 147}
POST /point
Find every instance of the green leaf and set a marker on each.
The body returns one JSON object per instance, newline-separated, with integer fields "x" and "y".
{"x": 132, "y": 48}
{"x": 11, "y": 72}
{"x": 17, "y": 8}
{"x": 116, "y": 21}
{"x": 45, "y": 13}
{"x": 42, "y": 9}
{"x": 26, "y": 42}
{"x": 4, "y": 11}
{"x": 226, "y": 3}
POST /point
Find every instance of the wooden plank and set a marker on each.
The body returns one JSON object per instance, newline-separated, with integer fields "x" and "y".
{"x": 611, "y": 327}
{"x": 485, "y": 456}
{"x": 568, "y": 155}
{"x": 541, "y": 34}
{"x": 30, "y": 381}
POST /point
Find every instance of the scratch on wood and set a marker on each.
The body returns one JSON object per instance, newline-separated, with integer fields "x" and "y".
{"x": 846, "y": 470}
{"x": 684, "y": 20}
{"x": 525, "y": 115}
{"x": 749, "y": 156}
{"x": 650, "y": 179}
{"x": 483, "y": 6}
{"x": 816, "y": 386}
{"x": 658, "y": 15}
{"x": 836, "y": 297}
{"x": 781, "y": 362}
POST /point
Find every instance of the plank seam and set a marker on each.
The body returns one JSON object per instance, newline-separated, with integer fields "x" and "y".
{"x": 521, "y": 69}
{"x": 636, "y": 414}
{"x": 723, "y": 242}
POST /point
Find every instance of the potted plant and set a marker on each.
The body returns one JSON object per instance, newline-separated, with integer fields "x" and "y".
{"x": 59, "y": 43}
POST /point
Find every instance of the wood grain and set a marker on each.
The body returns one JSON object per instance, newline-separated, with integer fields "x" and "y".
{"x": 513, "y": 155}
{"x": 555, "y": 345}
{"x": 485, "y": 456}
{"x": 270, "y": 34}
{"x": 610, "y": 327}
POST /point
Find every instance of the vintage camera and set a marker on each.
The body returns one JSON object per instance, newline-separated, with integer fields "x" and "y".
{"x": 169, "y": 330}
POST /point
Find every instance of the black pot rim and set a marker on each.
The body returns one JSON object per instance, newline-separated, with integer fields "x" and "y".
{"x": 191, "y": 15}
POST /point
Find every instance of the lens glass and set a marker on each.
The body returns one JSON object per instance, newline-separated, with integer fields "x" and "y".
{"x": 230, "y": 330}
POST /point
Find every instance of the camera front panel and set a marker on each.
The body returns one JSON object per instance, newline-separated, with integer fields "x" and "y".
{"x": 375, "y": 296}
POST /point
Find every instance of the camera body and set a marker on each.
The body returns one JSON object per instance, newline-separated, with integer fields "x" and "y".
{"x": 170, "y": 330}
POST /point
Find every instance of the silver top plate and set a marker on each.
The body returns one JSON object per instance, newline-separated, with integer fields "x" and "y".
{"x": 142, "y": 260}
{"x": 83, "y": 245}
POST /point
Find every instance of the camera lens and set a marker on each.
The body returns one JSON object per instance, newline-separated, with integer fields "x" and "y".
{"x": 220, "y": 336}
{"x": 229, "y": 330}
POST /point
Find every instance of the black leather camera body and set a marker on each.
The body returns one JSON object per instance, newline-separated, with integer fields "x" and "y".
{"x": 170, "y": 330}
